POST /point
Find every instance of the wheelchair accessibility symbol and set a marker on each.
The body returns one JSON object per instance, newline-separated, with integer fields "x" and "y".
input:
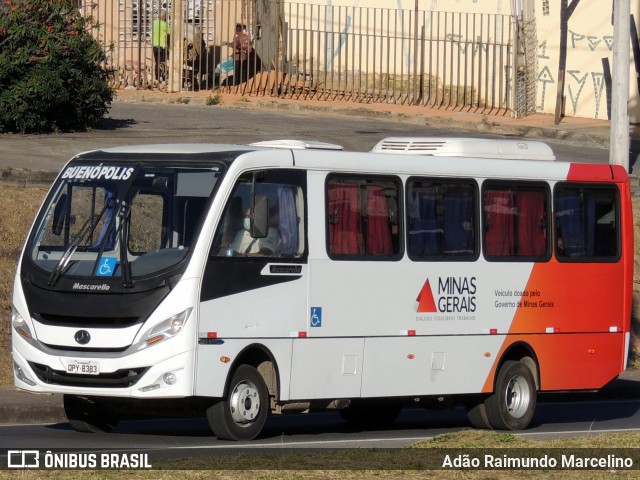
{"x": 316, "y": 316}
{"x": 106, "y": 267}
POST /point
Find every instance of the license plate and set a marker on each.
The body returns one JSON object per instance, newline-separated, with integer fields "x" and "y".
{"x": 81, "y": 367}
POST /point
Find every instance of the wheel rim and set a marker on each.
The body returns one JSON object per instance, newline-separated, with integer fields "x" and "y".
{"x": 518, "y": 396}
{"x": 245, "y": 403}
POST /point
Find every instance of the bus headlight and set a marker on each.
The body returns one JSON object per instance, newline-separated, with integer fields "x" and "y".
{"x": 20, "y": 324}
{"x": 165, "y": 329}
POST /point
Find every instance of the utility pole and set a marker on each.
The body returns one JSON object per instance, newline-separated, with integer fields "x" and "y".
{"x": 619, "y": 138}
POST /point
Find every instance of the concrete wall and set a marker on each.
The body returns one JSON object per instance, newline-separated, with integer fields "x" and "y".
{"x": 589, "y": 59}
{"x": 470, "y": 6}
{"x": 589, "y": 48}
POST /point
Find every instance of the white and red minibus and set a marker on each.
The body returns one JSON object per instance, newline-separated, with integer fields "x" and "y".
{"x": 239, "y": 280}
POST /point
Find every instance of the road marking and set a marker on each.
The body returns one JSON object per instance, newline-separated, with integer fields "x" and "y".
{"x": 302, "y": 443}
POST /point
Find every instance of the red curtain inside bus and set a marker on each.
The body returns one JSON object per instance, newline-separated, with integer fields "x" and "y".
{"x": 499, "y": 213}
{"x": 515, "y": 223}
{"x": 345, "y": 221}
{"x": 378, "y": 230}
{"x": 532, "y": 221}
{"x": 357, "y": 229}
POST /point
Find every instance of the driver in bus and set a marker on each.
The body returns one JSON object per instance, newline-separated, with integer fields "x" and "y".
{"x": 245, "y": 244}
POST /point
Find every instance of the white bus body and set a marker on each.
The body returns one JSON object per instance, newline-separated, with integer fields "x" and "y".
{"x": 388, "y": 278}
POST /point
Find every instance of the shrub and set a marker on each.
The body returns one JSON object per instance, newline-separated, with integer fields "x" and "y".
{"x": 51, "y": 78}
{"x": 214, "y": 99}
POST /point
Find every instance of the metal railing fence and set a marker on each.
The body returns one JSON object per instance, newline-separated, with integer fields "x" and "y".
{"x": 301, "y": 50}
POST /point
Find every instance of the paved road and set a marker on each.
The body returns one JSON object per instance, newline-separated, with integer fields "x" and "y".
{"x": 165, "y": 439}
{"x": 139, "y": 123}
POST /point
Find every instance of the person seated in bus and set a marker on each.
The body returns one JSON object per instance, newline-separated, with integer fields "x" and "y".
{"x": 245, "y": 244}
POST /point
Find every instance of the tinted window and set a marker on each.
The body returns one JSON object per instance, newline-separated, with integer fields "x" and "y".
{"x": 515, "y": 221}
{"x": 362, "y": 217}
{"x": 586, "y": 222}
{"x": 441, "y": 219}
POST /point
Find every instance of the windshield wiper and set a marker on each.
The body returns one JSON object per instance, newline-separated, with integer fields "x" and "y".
{"x": 122, "y": 233}
{"x": 88, "y": 227}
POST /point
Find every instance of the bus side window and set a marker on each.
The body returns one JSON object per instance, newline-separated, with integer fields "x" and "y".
{"x": 441, "y": 220}
{"x": 285, "y": 233}
{"x": 515, "y": 221}
{"x": 586, "y": 222}
{"x": 362, "y": 217}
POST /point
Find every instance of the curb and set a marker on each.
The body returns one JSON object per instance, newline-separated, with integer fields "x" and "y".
{"x": 21, "y": 407}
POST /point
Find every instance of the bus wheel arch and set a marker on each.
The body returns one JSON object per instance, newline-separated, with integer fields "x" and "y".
{"x": 252, "y": 382}
{"x": 260, "y": 358}
{"x": 512, "y": 404}
{"x": 522, "y": 352}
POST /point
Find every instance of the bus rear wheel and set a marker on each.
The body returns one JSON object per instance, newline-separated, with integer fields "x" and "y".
{"x": 88, "y": 415}
{"x": 242, "y": 414}
{"x": 512, "y": 405}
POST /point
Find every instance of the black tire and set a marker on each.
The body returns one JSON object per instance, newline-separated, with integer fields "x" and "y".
{"x": 512, "y": 405}
{"x": 362, "y": 412}
{"x": 88, "y": 415}
{"x": 477, "y": 414}
{"x": 241, "y": 415}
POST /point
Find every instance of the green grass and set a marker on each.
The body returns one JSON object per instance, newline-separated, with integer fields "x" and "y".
{"x": 420, "y": 462}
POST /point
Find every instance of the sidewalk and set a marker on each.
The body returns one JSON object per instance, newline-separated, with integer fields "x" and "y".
{"x": 20, "y": 407}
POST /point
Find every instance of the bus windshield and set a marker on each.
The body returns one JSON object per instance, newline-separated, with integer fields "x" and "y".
{"x": 121, "y": 221}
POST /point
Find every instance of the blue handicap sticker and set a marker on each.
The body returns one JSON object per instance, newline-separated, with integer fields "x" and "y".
{"x": 316, "y": 316}
{"x": 106, "y": 267}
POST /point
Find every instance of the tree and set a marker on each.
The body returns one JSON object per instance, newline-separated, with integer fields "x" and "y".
{"x": 51, "y": 78}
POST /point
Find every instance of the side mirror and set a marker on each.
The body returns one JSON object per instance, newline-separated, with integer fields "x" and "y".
{"x": 260, "y": 223}
{"x": 59, "y": 215}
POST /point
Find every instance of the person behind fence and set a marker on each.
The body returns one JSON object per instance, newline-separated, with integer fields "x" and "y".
{"x": 161, "y": 32}
{"x": 242, "y": 47}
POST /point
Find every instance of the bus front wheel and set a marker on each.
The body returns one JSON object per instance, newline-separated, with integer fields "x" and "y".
{"x": 512, "y": 405}
{"x": 241, "y": 415}
{"x": 88, "y": 416}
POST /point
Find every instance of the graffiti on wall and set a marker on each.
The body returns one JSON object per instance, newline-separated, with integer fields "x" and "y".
{"x": 580, "y": 83}
{"x": 336, "y": 44}
{"x": 478, "y": 45}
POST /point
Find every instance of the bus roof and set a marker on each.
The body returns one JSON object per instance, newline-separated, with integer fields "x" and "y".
{"x": 176, "y": 148}
{"x": 469, "y": 166}
{"x": 466, "y": 147}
